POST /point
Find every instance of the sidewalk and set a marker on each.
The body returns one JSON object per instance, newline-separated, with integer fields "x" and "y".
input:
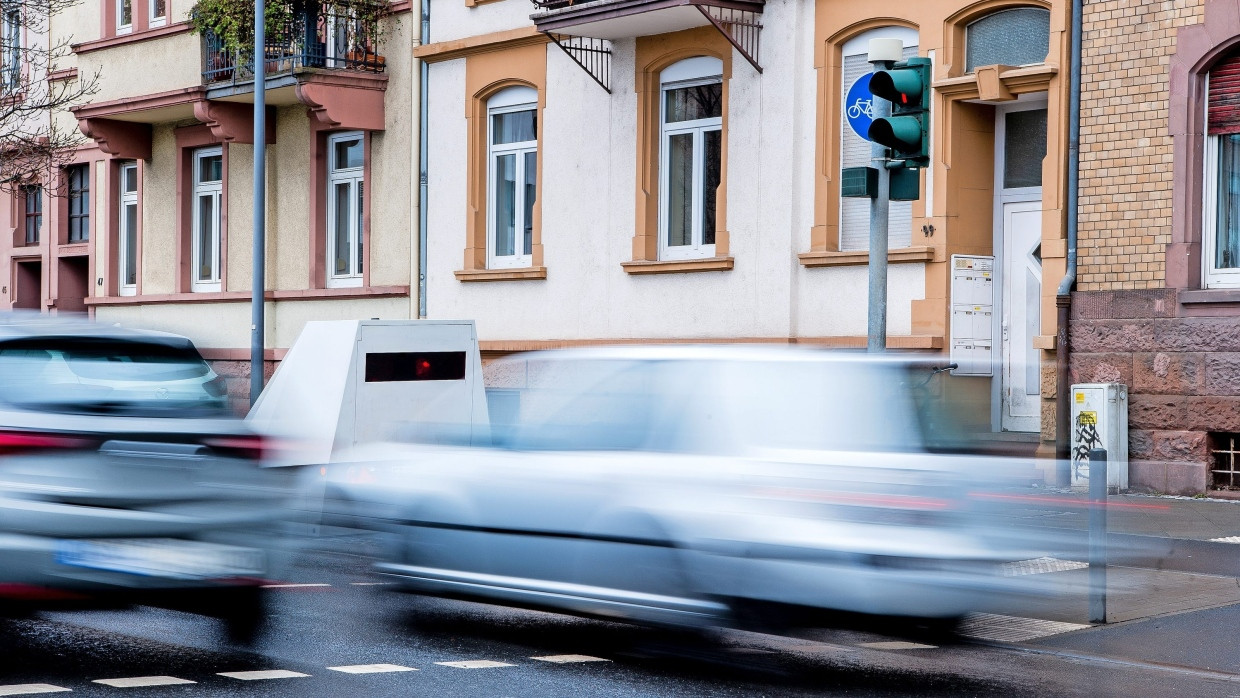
{"x": 1178, "y": 606}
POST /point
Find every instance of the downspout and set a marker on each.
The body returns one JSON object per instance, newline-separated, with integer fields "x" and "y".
{"x": 1063, "y": 297}
{"x": 423, "y": 81}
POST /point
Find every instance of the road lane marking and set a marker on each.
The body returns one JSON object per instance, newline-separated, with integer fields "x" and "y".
{"x": 262, "y": 675}
{"x": 1041, "y": 565}
{"x": 988, "y": 626}
{"x": 370, "y": 584}
{"x": 136, "y": 681}
{"x": 897, "y": 645}
{"x": 570, "y": 658}
{"x": 292, "y": 586}
{"x": 371, "y": 668}
{"x": 474, "y": 664}
{"x": 29, "y": 689}
{"x": 1226, "y": 539}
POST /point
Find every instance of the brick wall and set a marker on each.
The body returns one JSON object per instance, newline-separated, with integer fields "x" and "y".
{"x": 1126, "y": 156}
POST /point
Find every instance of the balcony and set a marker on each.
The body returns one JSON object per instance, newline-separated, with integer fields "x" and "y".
{"x": 317, "y": 36}
{"x": 584, "y": 29}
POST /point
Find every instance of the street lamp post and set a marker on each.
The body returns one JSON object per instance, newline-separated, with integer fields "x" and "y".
{"x": 257, "y": 319}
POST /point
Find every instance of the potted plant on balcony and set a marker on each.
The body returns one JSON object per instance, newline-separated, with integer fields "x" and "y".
{"x": 232, "y": 23}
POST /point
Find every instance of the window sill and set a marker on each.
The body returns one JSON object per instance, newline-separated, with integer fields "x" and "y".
{"x": 1210, "y": 295}
{"x": 239, "y": 296}
{"x": 525, "y": 274}
{"x": 73, "y": 249}
{"x": 131, "y": 37}
{"x": 676, "y": 266}
{"x": 862, "y": 257}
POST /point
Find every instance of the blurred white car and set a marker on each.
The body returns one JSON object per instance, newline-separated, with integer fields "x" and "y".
{"x": 125, "y": 477}
{"x": 687, "y": 485}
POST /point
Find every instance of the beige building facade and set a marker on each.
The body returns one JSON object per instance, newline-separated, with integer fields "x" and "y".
{"x": 152, "y": 225}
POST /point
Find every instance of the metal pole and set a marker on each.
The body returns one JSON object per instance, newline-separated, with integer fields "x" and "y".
{"x": 257, "y": 320}
{"x": 879, "y": 205}
{"x": 1097, "y": 536}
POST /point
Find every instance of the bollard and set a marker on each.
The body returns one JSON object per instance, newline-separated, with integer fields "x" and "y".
{"x": 1097, "y": 536}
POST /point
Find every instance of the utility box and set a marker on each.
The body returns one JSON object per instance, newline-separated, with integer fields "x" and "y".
{"x": 973, "y": 314}
{"x": 1100, "y": 420}
{"x": 345, "y": 383}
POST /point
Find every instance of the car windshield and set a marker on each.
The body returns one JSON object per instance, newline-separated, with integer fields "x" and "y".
{"x": 108, "y": 376}
{"x": 709, "y": 406}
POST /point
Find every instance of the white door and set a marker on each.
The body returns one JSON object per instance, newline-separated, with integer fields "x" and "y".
{"x": 1020, "y": 147}
{"x": 1022, "y": 291}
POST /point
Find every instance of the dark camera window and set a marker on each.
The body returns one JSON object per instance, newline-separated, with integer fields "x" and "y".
{"x": 391, "y": 367}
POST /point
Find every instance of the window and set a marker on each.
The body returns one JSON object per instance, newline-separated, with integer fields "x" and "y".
{"x": 512, "y": 176}
{"x": 124, "y": 16}
{"x": 78, "y": 184}
{"x": 10, "y": 49}
{"x": 159, "y": 13}
{"x": 1020, "y": 36}
{"x": 205, "y": 244}
{"x": 855, "y": 149}
{"x": 33, "y": 218}
{"x": 345, "y": 209}
{"x": 691, "y": 157}
{"x": 128, "y": 229}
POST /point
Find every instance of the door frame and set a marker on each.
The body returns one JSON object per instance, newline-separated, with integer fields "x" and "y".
{"x": 1001, "y": 197}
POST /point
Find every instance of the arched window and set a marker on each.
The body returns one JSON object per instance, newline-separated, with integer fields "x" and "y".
{"x": 855, "y": 149}
{"x": 1019, "y": 36}
{"x": 691, "y": 156}
{"x": 1221, "y": 219}
{"x": 512, "y": 176}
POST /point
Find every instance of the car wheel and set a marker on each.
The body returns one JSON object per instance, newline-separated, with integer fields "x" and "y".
{"x": 242, "y": 611}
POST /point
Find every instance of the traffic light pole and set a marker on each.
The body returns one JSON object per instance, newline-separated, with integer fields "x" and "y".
{"x": 879, "y": 206}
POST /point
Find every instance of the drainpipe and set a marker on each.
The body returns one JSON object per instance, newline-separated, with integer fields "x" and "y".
{"x": 421, "y": 85}
{"x": 1063, "y": 297}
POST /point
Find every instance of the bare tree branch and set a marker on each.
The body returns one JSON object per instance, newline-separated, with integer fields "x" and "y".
{"x": 33, "y": 145}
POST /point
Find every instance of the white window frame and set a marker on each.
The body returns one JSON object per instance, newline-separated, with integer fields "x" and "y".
{"x": 11, "y": 63}
{"x": 1212, "y": 277}
{"x": 210, "y": 190}
{"x": 691, "y": 72}
{"x": 153, "y": 20}
{"x": 506, "y": 101}
{"x": 123, "y": 233}
{"x": 355, "y": 177}
{"x": 124, "y": 28}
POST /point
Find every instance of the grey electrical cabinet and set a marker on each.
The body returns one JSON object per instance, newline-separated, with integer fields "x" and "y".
{"x": 1100, "y": 420}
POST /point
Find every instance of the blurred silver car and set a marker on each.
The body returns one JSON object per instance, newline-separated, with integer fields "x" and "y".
{"x": 124, "y": 476}
{"x": 692, "y": 485}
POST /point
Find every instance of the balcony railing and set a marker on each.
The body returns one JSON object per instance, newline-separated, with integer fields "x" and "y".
{"x": 317, "y": 36}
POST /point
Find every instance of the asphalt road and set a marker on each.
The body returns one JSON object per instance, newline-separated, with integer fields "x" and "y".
{"x": 346, "y": 620}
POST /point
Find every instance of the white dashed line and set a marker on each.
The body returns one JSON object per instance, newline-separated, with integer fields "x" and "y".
{"x": 369, "y": 584}
{"x": 1041, "y": 565}
{"x": 987, "y": 626}
{"x": 29, "y": 689}
{"x": 896, "y": 645}
{"x": 292, "y": 586}
{"x": 570, "y": 658}
{"x": 1226, "y": 539}
{"x": 262, "y": 675}
{"x": 474, "y": 664}
{"x": 371, "y": 668}
{"x": 137, "y": 681}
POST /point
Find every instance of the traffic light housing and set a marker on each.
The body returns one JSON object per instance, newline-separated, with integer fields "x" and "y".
{"x": 907, "y": 131}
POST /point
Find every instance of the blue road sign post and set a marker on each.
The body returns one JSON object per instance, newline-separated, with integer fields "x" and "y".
{"x": 859, "y": 106}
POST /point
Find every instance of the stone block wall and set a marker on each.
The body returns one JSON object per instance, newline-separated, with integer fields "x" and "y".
{"x": 1126, "y": 175}
{"x": 1182, "y": 373}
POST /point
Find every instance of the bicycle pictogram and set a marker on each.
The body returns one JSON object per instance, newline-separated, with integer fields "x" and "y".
{"x": 861, "y": 106}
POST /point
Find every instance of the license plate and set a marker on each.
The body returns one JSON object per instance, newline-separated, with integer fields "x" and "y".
{"x": 162, "y": 557}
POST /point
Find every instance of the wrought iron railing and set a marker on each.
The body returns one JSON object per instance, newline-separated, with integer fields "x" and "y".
{"x": 318, "y": 35}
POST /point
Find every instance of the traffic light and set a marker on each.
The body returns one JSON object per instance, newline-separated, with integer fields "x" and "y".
{"x": 907, "y": 131}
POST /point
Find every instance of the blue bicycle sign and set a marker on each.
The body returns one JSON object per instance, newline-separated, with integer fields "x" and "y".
{"x": 859, "y": 106}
